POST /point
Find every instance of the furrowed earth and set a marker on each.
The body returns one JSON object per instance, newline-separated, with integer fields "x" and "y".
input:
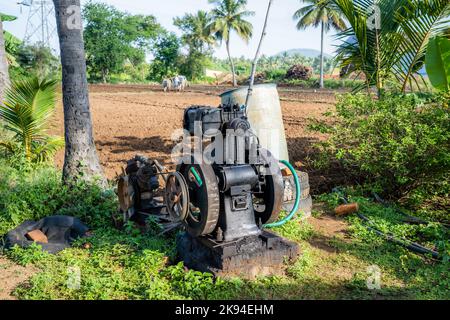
{"x": 138, "y": 119}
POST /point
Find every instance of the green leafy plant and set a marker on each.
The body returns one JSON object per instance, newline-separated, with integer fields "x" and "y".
{"x": 387, "y": 39}
{"x": 31, "y": 255}
{"x": 27, "y": 110}
{"x": 198, "y": 39}
{"x": 398, "y": 143}
{"x": 11, "y": 42}
{"x": 438, "y": 63}
{"x": 113, "y": 37}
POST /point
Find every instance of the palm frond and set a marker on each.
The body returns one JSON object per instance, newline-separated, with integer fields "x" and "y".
{"x": 45, "y": 150}
{"x": 318, "y": 12}
{"x": 29, "y": 104}
{"x": 228, "y": 16}
{"x": 396, "y": 48}
{"x": 421, "y": 21}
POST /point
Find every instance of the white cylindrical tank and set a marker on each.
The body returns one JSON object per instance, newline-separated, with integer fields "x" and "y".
{"x": 264, "y": 113}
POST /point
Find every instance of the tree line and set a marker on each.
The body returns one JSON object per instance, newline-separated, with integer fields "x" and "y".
{"x": 391, "y": 52}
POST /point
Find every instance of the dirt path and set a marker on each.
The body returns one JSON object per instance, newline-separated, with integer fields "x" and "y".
{"x": 11, "y": 275}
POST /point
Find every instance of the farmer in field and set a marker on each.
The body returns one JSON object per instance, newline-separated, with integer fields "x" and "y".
{"x": 179, "y": 83}
{"x": 184, "y": 81}
{"x": 167, "y": 85}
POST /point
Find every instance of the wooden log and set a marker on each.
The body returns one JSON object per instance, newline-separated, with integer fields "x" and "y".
{"x": 346, "y": 209}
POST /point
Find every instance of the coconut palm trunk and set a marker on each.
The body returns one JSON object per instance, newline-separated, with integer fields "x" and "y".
{"x": 233, "y": 69}
{"x": 4, "y": 75}
{"x": 322, "y": 39}
{"x": 81, "y": 161}
{"x": 324, "y": 13}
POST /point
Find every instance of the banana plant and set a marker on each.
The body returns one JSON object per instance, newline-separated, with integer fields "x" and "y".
{"x": 387, "y": 39}
{"x": 12, "y": 43}
{"x": 437, "y": 63}
{"x": 26, "y": 111}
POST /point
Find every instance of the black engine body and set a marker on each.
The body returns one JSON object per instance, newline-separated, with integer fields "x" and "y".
{"x": 241, "y": 175}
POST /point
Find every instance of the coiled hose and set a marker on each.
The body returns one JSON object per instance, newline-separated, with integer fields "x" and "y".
{"x": 297, "y": 199}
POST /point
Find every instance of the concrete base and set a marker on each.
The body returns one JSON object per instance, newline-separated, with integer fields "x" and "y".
{"x": 304, "y": 208}
{"x": 247, "y": 258}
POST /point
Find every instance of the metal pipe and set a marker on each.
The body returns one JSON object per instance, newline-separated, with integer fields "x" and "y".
{"x": 255, "y": 61}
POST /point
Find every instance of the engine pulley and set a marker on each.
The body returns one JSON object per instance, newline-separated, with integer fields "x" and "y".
{"x": 126, "y": 195}
{"x": 177, "y": 197}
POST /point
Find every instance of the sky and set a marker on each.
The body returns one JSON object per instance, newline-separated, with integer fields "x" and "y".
{"x": 282, "y": 33}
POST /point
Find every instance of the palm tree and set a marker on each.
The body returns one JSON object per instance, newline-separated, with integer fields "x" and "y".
{"x": 228, "y": 16}
{"x": 323, "y": 13}
{"x": 394, "y": 51}
{"x": 28, "y": 106}
{"x": 81, "y": 160}
{"x": 196, "y": 33}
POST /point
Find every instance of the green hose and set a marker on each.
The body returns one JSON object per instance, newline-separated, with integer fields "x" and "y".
{"x": 197, "y": 177}
{"x": 297, "y": 199}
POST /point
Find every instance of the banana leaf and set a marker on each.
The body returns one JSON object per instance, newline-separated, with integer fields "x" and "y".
{"x": 437, "y": 63}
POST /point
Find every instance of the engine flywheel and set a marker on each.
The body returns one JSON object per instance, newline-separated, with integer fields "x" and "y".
{"x": 204, "y": 198}
{"x": 268, "y": 203}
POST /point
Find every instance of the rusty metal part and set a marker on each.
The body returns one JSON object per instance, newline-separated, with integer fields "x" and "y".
{"x": 177, "y": 197}
{"x": 125, "y": 192}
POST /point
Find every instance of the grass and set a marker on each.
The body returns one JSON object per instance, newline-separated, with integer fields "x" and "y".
{"x": 130, "y": 264}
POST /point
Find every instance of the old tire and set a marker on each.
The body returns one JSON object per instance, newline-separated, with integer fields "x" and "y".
{"x": 60, "y": 230}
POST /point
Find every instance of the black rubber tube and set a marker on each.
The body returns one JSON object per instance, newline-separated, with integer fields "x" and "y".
{"x": 415, "y": 247}
{"x": 412, "y": 246}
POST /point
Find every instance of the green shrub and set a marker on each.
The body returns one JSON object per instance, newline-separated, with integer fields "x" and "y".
{"x": 328, "y": 83}
{"x": 31, "y": 194}
{"x": 275, "y": 74}
{"x": 396, "y": 144}
{"x": 341, "y": 84}
{"x": 310, "y": 83}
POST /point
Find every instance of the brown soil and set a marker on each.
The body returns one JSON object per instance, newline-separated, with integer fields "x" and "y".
{"x": 11, "y": 275}
{"x": 328, "y": 227}
{"x": 136, "y": 119}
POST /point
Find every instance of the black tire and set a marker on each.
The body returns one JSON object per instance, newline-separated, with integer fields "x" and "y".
{"x": 60, "y": 230}
{"x": 206, "y": 198}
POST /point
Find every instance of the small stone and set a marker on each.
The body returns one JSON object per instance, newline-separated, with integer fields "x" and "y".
{"x": 87, "y": 245}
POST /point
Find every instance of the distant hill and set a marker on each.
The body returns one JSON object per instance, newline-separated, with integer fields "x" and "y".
{"x": 309, "y": 53}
